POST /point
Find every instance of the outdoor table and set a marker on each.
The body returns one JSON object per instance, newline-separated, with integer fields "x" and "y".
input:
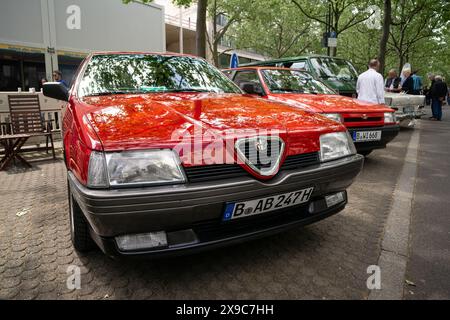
{"x": 12, "y": 144}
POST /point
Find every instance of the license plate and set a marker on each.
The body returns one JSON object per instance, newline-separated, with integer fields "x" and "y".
{"x": 250, "y": 208}
{"x": 360, "y": 136}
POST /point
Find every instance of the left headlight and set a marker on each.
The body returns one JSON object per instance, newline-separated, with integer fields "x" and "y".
{"x": 389, "y": 117}
{"x": 333, "y": 116}
{"x": 148, "y": 167}
{"x": 336, "y": 145}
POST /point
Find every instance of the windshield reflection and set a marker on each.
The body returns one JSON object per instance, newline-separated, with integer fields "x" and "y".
{"x": 145, "y": 73}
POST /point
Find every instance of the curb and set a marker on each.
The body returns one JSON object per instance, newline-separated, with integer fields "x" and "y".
{"x": 394, "y": 247}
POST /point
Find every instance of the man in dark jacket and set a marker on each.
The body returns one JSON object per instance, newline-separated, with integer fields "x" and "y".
{"x": 438, "y": 94}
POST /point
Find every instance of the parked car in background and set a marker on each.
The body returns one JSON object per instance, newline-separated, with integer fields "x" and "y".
{"x": 166, "y": 155}
{"x": 339, "y": 74}
{"x": 407, "y": 107}
{"x": 371, "y": 126}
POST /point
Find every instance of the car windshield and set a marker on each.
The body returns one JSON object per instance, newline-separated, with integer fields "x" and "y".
{"x": 146, "y": 73}
{"x": 292, "y": 81}
{"x": 334, "y": 68}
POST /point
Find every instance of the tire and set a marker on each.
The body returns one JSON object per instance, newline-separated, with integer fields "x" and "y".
{"x": 365, "y": 153}
{"x": 79, "y": 227}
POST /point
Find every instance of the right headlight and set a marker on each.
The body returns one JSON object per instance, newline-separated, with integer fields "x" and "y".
{"x": 336, "y": 145}
{"x": 134, "y": 168}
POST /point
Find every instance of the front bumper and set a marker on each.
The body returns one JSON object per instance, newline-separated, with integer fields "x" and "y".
{"x": 388, "y": 133}
{"x": 198, "y": 208}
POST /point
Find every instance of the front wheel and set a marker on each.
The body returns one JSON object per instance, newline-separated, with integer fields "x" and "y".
{"x": 79, "y": 228}
{"x": 365, "y": 153}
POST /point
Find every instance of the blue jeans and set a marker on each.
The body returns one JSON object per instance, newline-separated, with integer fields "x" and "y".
{"x": 436, "y": 107}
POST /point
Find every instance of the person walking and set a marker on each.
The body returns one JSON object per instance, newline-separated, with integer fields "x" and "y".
{"x": 438, "y": 94}
{"x": 370, "y": 84}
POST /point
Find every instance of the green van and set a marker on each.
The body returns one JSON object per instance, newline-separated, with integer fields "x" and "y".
{"x": 337, "y": 73}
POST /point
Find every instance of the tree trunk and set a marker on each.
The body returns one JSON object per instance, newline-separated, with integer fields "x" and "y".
{"x": 401, "y": 63}
{"x": 200, "y": 37}
{"x": 385, "y": 37}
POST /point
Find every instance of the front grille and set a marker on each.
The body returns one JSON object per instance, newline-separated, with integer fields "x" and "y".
{"x": 370, "y": 119}
{"x": 264, "y": 159}
{"x": 228, "y": 171}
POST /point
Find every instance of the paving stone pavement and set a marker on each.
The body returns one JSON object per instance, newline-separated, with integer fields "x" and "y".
{"x": 327, "y": 260}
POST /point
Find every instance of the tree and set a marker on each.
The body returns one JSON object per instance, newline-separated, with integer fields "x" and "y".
{"x": 201, "y": 21}
{"x": 345, "y": 14}
{"x": 414, "y": 21}
{"x": 271, "y": 29}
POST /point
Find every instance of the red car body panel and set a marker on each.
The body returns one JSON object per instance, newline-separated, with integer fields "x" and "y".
{"x": 148, "y": 121}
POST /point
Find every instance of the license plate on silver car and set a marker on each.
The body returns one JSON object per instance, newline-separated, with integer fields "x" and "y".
{"x": 250, "y": 208}
{"x": 361, "y": 136}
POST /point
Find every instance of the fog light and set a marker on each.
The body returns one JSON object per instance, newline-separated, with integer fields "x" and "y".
{"x": 334, "y": 199}
{"x": 142, "y": 241}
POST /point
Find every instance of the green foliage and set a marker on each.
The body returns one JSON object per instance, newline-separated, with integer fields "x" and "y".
{"x": 274, "y": 29}
{"x": 280, "y": 28}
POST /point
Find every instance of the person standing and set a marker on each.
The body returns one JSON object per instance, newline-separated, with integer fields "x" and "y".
{"x": 392, "y": 83}
{"x": 438, "y": 94}
{"x": 370, "y": 84}
{"x": 417, "y": 83}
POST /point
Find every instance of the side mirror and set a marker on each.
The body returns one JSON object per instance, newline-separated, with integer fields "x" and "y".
{"x": 56, "y": 91}
{"x": 251, "y": 88}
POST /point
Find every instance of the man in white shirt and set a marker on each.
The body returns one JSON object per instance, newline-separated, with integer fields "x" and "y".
{"x": 370, "y": 85}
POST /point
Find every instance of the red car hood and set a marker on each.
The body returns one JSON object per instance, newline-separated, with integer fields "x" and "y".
{"x": 162, "y": 120}
{"x": 328, "y": 103}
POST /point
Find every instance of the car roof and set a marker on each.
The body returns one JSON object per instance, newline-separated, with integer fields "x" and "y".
{"x": 289, "y": 59}
{"x": 169, "y": 54}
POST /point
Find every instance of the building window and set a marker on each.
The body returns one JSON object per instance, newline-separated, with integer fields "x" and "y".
{"x": 22, "y": 70}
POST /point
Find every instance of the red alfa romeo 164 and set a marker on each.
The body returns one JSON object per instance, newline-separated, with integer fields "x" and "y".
{"x": 371, "y": 126}
{"x": 166, "y": 155}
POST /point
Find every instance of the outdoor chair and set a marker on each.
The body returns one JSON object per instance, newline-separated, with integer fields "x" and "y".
{"x": 26, "y": 119}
